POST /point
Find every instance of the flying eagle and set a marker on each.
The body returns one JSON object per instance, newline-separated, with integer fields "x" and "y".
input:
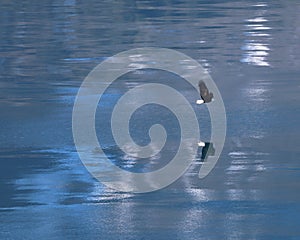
{"x": 205, "y": 95}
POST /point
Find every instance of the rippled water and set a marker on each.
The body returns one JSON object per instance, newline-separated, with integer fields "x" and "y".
{"x": 250, "y": 48}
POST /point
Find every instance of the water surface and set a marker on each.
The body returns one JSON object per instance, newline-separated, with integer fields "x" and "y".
{"x": 250, "y": 48}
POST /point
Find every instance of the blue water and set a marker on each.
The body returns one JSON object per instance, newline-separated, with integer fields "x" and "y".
{"x": 250, "y": 48}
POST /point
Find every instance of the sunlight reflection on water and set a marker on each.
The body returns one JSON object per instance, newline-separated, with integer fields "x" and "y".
{"x": 257, "y": 47}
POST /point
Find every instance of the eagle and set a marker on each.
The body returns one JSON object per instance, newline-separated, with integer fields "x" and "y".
{"x": 205, "y": 95}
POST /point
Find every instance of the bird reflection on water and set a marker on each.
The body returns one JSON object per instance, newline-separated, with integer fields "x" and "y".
{"x": 207, "y": 150}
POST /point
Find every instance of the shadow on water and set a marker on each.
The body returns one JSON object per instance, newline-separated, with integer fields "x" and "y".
{"x": 40, "y": 177}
